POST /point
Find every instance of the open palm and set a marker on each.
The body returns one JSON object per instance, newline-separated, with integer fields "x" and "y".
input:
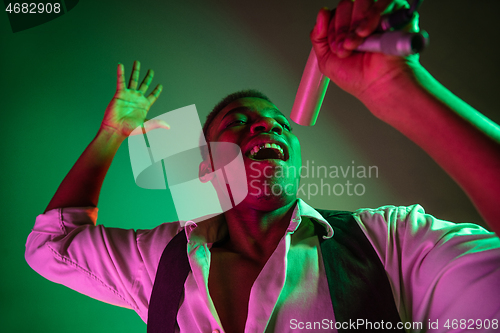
{"x": 129, "y": 106}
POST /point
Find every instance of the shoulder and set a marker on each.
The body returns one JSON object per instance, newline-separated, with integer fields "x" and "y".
{"x": 388, "y": 213}
{"x": 434, "y": 266}
{"x": 411, "y": 226}
{"x": 412, "y": 221}
{"x": 407, "y": 237}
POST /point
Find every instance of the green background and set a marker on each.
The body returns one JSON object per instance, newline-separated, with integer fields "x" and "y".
{"x": 57, "y": 78}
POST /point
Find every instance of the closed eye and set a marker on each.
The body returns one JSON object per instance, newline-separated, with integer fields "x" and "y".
{"x": 236, "y": 122}
{"x": 287, "y": 127}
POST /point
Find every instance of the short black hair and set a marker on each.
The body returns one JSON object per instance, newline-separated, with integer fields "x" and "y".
{"x": 225, "y": 102}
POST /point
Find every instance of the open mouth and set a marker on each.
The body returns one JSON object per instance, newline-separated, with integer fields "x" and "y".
{"x": 267, "y": 151}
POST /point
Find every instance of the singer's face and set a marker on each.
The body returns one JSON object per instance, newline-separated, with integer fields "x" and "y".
{"x": 271, "y": 152}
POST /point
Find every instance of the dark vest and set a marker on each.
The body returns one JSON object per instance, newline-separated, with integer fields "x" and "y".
{"x": 357, "y": 280}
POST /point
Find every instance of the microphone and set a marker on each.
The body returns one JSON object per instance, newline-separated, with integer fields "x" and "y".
{"x": 396, "y": 43}
{"x": 313, "y": 84}
{"x": 311, "y": 92}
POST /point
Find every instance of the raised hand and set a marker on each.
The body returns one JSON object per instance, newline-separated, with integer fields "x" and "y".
{"x": 129, "y": 106}
{"x": 402, "y": 93}
{"x": 337, "y": 33}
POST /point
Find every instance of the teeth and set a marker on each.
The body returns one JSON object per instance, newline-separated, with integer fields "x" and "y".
{"x": 256, "y": 149}
{"x": 275, "y": 146}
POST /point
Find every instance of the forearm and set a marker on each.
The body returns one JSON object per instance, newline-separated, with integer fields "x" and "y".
{"x": 126, "y": 111}
{"x": 82, "y": 185}
{"x": 461, "y": 140}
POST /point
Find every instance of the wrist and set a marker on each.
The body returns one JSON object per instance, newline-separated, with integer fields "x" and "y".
{"x": 107, "y": 141}
{"x": 401, "y": 86}
{"x": 110, "y": 135}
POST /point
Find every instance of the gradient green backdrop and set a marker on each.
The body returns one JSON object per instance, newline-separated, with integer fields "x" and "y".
{"x": 57, "y": 78}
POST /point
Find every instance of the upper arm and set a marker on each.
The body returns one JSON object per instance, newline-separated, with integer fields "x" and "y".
{"x": 104, "y": 263}
{"x": 437, "y": 269}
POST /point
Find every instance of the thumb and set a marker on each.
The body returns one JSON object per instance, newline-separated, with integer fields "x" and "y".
{"x": 152, "y": 124}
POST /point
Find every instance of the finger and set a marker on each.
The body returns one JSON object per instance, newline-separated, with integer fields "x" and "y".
{"x": 155, "y": 94}
{"x": 331, "y": 32}
{"x": 136, "y": 131}
{"x": 146, "y": 82}
{"x": 372, "y": 18}
{"x": 342, "y": 26}
{"x": 155, "y": 124}
{"x": 120, "y": 84}
{"x": 319, "y": 35}
{"x": 352, "y": 41}
{"x": 359, "y": 13}
{"x": 397, "y": 4}
{"x": 134, "y": 77}
{"x": 412, "y": 26}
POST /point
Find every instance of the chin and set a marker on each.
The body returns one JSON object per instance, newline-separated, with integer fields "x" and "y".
{"x": 263, "y": 198}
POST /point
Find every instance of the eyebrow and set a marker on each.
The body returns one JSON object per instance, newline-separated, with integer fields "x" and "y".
{"x": 246, "y": 109}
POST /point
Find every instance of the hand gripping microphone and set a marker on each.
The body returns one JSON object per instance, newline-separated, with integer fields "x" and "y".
{"x": 313, "y": 85}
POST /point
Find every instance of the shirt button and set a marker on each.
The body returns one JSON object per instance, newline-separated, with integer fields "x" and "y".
{"x": 216, "y": 331}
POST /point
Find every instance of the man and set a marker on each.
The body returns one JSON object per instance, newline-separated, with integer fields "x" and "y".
{"x": 258, "y": 266}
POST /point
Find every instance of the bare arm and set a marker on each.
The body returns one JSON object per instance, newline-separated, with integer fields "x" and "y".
{"x": 462, "y": 141}
{"x": 402, "y": 93}
{"x": 126, "y": 111}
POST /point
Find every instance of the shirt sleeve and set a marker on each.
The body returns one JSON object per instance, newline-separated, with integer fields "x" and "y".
{"x": 113, "y": 265}
{"x": 439, "y": 271}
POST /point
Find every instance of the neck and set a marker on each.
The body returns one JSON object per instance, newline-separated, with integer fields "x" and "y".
{"x": 255, "y": 233}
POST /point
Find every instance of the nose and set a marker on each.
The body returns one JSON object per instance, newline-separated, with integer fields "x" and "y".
{"x": 266, "y": 124}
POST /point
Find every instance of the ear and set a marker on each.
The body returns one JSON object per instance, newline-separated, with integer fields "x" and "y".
{"x": 205, "y": 173}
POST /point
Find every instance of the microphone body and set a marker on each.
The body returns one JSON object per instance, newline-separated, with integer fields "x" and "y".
{"x": 398, "y": 43}
{"x": 312, "y": 90}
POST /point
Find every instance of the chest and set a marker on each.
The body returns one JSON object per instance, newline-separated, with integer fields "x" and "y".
{"x": 230, "y": 281}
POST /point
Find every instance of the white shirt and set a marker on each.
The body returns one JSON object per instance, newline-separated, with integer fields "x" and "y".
{"x": 438, "y": 270}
